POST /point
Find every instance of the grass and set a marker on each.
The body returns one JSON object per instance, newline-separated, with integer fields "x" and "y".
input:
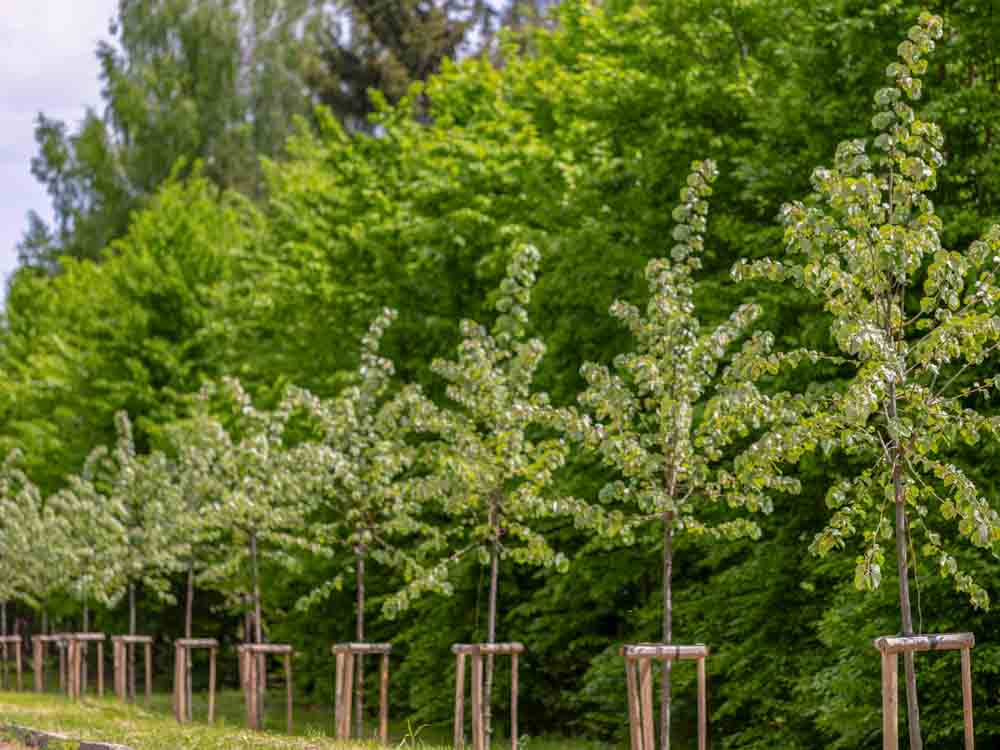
{"x": 152, "y": 727}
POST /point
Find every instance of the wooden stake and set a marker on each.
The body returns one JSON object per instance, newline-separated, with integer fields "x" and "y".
{"x": 211, "y": 684}
{"x": 970, "y": 735}
{"x": 634, "y": 715}
{"x": 179, "y": 713}
{"x": 459, "y": 743}
{"x": 288, "y": 689}
{"x": 338, "y": 687}
{"x": 383, "y": 702}
{"x": 149, "y": 672}
{"x": 100, "y": 669}
{"x": 62, "y": 666}
{"x": 38, "y": 660}
{"x": 478, "y": 730}
{"x": 17, "y": 660}
{"x": 513, "y": 702}
{"x": 646, "y": 695}
{"x": 890, "y": 701}
{"x": 702, "y": 705}
{"x": 347, "y": 696}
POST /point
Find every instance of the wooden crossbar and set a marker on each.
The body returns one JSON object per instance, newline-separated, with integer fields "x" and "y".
{"x": 475, "y": 653}
{"x": 345, "y": 654}
{"x": 182, "y": 663}
{"x": 123, "y": 648}
{"x": 6, "y": 641}
{"x": 890, "y": 647}
{"x": 252, "y": 656}
{"x": 639, "y": 688}
{"x": 488, "y": 648}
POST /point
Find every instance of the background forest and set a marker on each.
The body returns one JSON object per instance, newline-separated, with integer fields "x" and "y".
{"x": 265, "y": 176}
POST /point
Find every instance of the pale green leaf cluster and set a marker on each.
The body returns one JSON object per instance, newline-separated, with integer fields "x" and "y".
{"x": 911, "y": 317}
{"x": 672, "y": 412}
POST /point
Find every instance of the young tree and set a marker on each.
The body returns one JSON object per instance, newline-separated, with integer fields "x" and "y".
{"x": 260, "y": 487}
{"x": 364, "y": 501}
{"x": 13, "y": 485}
{"x": 34, "y": 540}
{"x": 96, "y": 538}
{"x": 150, "y": 511}
{"x": 670, "y": 415}
{"x": 912, "y": 320}
{"x": 491, "y": 472}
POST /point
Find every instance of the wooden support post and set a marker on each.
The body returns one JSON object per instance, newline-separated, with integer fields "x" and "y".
{"x": 634, "y": 721}
{"x": 252, "y": 656}
{"x": 178, "y": 683}
{"x": 639, "y": 689}
{"x": 62, "y": 666}
{"x": 646, "y": 701}
{"x": 477, "y": 702}
{"x": 702, "y": 705}
{"x": 338, "y": 694}
{"x": 344, "y": 687}
{"x": 15, "y": 641}
{"x": 288, "y": 689}
{"x": 183, "y": 654}
{"x": 383, "y": 701}
{"x": 890, "y": 701}
{"x": 970, "y": 735}
{"x": 100, "y": 669}
{"x": 475, "y": 652}
{"x": 211, "y": 684}
{"x": 116, "y": 669}
{"x": 38, "y": 663}
{"x": 459, "y": 743}
{"x": 346, "y": 702}
{"x": 513, "y": 702}
{"x": 149, "y": 670}
{"x": 891, "y": 646}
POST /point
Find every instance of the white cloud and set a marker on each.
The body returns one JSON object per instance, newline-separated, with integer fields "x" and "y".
{"x": 47, "y": 64}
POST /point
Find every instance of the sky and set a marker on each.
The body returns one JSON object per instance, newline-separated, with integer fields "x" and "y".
{"x": 47, "y": 64}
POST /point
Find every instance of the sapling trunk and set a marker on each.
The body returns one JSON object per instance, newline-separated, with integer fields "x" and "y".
{"x": 912, "y": 703}
{"x": 491, "y": 620}
{"x": 359, "y": 677}
{"x": 188, "y": 615}
{"x": 668, "y": 625}
{"x": 131, "y": 646}
{"x": 258, "y": 628}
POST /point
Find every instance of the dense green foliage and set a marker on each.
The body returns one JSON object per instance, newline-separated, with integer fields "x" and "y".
{"x": 577, "y": 145}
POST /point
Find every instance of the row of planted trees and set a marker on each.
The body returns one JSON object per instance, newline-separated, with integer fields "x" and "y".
{"x": 690, "y": 423}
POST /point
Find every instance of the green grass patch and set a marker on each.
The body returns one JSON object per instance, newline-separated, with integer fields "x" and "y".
{"x": 152, "y": 727}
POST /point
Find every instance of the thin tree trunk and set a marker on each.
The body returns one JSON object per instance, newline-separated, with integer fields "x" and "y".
{"x": 491, "y": 620}
{"x": 45, "y": 620}
{"x": 258, "y": 627}
{"x": 188, "y": 616}
{"x": 668, "y": 625}
{"x": 912, "y": 703}
{"x": 359, "y": 677}
{"x": 131, "y": 646}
